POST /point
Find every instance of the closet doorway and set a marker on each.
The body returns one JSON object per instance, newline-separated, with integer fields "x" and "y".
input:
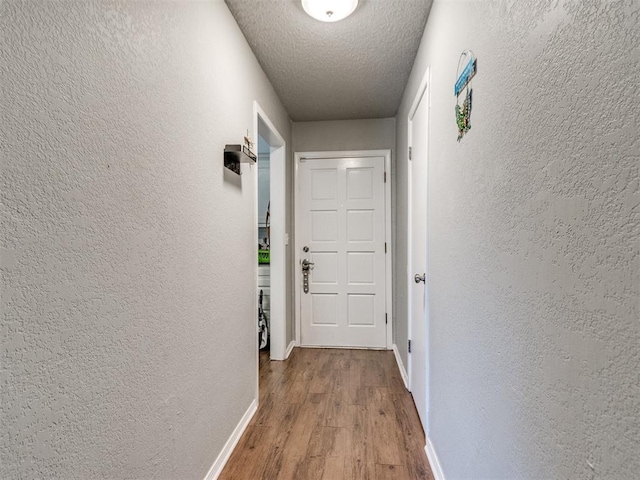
{"x": 271, "y": 152}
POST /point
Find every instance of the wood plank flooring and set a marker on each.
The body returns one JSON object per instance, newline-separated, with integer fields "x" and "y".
{"x": 328, "y": 414}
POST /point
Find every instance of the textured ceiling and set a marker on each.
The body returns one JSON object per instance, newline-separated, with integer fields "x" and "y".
{"x": 355, "y": 68}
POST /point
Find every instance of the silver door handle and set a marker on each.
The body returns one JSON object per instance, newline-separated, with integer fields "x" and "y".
{"x": 306, "y": 268}
{"x": 420, "y": 278}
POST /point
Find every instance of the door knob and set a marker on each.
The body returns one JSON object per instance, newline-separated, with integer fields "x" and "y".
{"x": 420, "y": 278}
{"x": 306, "y": 264}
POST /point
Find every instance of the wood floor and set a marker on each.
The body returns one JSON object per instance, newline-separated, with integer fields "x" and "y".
{"x": 331, "y": 414}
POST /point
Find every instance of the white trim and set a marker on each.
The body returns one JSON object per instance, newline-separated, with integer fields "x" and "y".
{"x": 386, "y": 154}
{"x": 217, "y": 467}
{"x": 409, "y": 249}
{"x": 419, "y": 93}
{"x": 278, "y": 270}
{"x": 339, "y": 347}
{"x": 390, "y": 250}
{"x": 292, "y": 344}
{"x": 436, "y": 468}
{"x": 403, "y": 372}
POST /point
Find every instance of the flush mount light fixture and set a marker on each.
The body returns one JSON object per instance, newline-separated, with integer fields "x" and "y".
{"x": 329, "y": 10}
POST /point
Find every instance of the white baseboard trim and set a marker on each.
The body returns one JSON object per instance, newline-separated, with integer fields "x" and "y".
{"x": 289, "y": 349}
{"x": 403, "y": 372}
{"x": 436, "y": 468}
{"x": 221, "y": 461}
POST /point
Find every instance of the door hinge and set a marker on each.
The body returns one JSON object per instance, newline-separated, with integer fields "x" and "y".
{"x": 409, "y": 346}
{"x": 385, "y": 177}
{"x": 409, "y": 153}
{"x": 385, "y": 247}
{"x": 386, "y": 318}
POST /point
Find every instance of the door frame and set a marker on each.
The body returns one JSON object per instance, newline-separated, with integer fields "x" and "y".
{"x": 422, "y": 92}
{"x": 278, "y": 260}
{"x": 386, "y": 154}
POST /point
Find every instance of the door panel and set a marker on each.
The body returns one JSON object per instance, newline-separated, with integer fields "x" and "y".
{"x": 418, "y": 327}
{"x": 342, "y": 221}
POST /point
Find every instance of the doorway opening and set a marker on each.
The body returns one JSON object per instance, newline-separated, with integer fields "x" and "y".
{"x": 264, "y": 245}
{"x": 270, "y": 241}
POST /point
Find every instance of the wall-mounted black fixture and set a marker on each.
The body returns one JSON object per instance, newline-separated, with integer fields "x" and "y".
{"x": 234, "y": 155}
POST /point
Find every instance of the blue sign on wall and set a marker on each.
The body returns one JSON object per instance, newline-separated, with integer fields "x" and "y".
{"x": 466, "y": 75}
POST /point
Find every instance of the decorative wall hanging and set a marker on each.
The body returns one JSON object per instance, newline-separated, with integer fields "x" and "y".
{"x": 463, "y": 82}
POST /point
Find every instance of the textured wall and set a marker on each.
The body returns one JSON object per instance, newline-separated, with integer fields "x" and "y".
{"x": 128, "y": 256}
{"x": 534, "y": 230}
{"x": 369, "y": 134}
{"x": 373, "y": 134}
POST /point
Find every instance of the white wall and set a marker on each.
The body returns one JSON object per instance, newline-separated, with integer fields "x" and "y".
{"x": 128, "y": 256}
{"x": 342, "y": 135}
{"x": 534, "y": 239}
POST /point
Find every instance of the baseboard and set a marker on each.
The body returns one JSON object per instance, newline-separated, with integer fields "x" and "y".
{"x": 289, "y": 349}
{"x": 221, "y": 461}
{"x": 403, "y": 372}
{"x": 433, "y": 461}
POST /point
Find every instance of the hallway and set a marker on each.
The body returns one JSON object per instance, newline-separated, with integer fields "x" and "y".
{"x": 331, "y": 414}
{"x": 129, "y": 251}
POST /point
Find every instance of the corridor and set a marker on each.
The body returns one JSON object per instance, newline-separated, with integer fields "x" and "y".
{"x": 502, "y": 278}
{"x": 331, "y": 414}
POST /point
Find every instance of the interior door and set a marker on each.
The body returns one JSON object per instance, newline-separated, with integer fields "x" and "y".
{"x": 341, "y": 219}
{"x": 418, "y": 325}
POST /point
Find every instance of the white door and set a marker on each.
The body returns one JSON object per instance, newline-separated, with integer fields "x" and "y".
{"x": 340, "y": 215}
{"x": 418, "y": 326}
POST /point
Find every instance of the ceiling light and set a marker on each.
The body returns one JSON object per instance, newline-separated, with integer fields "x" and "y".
{"x": 329, "y": 10}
